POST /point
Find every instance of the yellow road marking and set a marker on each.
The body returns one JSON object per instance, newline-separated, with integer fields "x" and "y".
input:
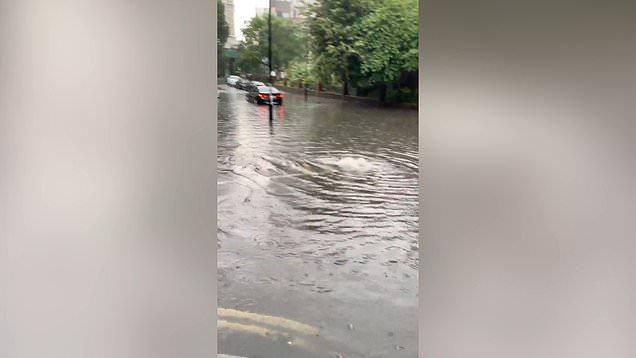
{"x": 264, "y": 332}
{"x": 277, "y": 322}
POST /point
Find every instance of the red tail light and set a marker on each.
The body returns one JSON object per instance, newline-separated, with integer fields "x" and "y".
{"x": 279, "y": 95}
{"x": 263, "y": 95}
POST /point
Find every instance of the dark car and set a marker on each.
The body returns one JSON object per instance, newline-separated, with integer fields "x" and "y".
{"x": 261, "y": 95}
{"x": 242, "y": 84}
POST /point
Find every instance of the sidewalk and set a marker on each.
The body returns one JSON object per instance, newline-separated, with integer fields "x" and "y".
{"x": 350, "y": 98}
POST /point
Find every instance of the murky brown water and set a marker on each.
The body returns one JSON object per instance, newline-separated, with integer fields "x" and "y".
{"x": 317, "y": 224}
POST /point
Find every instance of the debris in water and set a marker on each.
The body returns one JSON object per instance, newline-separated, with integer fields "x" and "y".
{"x": 399, "y": 348}
{"x": 340, "y": 262}
{"x": 351, "y": 328}
{"x": 321, "y": 289}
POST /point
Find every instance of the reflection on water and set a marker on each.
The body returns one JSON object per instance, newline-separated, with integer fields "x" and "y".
{"x": 317, "y": 223}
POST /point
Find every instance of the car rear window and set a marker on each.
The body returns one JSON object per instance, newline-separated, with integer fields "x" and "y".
{"x": 265, "y": 89}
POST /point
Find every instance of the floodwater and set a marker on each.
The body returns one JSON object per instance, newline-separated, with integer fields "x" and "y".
{"x": 317, "y": 229}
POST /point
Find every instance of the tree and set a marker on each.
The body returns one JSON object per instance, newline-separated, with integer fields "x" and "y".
{"x": 301, "y": 73}
{"x": 332, "y": 25}
{"x": 288, "y": 44}
{"x": 387, "y": 42}
{"x": 222, "y": 33}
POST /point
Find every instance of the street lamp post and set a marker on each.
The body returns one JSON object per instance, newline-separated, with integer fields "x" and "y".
{"x": 269, "y": 60}
{"x": 269, "y": 41}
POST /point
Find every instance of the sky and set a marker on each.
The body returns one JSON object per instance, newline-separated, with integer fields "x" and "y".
{"x": 244, "y": 10}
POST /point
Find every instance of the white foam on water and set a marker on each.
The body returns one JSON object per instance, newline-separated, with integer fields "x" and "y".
{"x": 354, "y": 164}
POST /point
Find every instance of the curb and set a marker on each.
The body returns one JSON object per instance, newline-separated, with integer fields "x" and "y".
{"x": 346, "y": 98}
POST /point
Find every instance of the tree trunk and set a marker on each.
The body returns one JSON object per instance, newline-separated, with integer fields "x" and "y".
{"x": 383, "y": 90}
{"x": 319, "y": 86}
{"x": 345, "y": 88}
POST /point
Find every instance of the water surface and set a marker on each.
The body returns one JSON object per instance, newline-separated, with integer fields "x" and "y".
{"x": 317, "y": 225}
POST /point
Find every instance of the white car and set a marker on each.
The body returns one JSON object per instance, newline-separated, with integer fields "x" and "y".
{"x": 231, "y": 80}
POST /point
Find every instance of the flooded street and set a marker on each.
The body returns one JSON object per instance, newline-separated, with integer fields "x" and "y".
{"x": 317, "y": 229}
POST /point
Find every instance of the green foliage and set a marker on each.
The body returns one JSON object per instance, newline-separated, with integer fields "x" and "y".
{"x": 301, "y": 72}
{"x": 288, "y": 44}
{"x": 387, "y": 41}
{"x": 250, "y": 60}
{"x": 366, "y": 43}
{"x": 332, "y": 25}
{"x": 369, "y": 44}
{"x": 222, "y": 31}
{"x": 222, "y": 28}
{"x": 403, "y": 95}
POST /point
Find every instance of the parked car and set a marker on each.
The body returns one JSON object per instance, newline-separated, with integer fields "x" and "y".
{"x": 261, "y": 95}
{"x": 232, "y": 80}
{"x": 252, "y": 85}
{"x": 242, "y": 84}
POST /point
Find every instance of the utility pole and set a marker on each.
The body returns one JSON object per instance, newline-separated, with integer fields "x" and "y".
{"x": 269, "y": 41}
{"x": 269, "y": 60}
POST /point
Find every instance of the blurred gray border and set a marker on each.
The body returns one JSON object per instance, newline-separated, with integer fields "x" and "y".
{"x": 527, "y": 173}
{"x": 107, "y": 178}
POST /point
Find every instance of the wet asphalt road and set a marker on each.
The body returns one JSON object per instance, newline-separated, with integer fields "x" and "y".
{"x": 317, "y": 229}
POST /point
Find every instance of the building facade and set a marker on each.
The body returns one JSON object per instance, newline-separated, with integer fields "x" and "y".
{"x": 229, "y": 18}
{"x": 289, "y": 9}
